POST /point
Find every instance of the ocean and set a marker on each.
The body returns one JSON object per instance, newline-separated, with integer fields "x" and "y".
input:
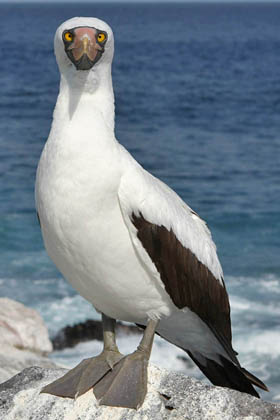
{"x": 197, "y": 104}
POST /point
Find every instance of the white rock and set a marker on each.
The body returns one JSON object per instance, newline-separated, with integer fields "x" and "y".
{"x": 24, "y": 339}
{"x": 170, "y": 396}
{"x": 22, "y": 327}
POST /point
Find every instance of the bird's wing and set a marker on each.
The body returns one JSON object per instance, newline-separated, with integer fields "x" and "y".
{"x": 170, "y": 238}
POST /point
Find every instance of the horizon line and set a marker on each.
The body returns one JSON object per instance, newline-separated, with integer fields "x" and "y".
{"x": 18, "y": 2}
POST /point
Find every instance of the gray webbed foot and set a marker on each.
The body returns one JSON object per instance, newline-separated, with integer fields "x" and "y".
{"x": 84, "y": 376}
{"x": 116, "y": 380}
{"x": 126, "y": 384}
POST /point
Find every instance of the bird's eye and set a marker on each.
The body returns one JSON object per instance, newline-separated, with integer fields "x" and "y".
{"x": 101, "y": 37}
{"x": 68, "y": 36}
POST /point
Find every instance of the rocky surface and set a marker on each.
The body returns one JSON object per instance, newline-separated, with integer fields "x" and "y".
{"x": 24, "y": 339}
{"x": 170, "y": 396}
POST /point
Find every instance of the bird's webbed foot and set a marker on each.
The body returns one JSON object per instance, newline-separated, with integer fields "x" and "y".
{"x": 84, "y": 376}
{"x": 126, "y": 384}
{"x": 90, "y": 371}
{"x": 117, "y": 380}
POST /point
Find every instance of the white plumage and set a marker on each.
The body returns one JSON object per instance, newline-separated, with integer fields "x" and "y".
{"x": 87, "y": 188}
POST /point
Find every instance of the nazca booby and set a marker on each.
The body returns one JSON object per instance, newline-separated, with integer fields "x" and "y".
{"x": 124, "y": 240}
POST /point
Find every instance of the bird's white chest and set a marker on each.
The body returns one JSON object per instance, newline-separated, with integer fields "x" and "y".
{"x": 75, "y": 185}
{"x": 85, "y": 234}
{"x": 76, "y": 196}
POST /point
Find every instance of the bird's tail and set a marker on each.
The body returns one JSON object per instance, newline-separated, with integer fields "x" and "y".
{"x": 228, "y": 374}
{"x": 254, "y": 380}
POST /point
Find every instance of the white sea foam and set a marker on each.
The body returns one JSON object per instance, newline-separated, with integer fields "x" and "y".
{"x": 27, "y": 259}
{"x": 266, "y": 283}
{"x": 241, "y": 304}
{"x": 271, "y": 283}
{"x": 67, "y": 311}
{"x": 259, "y": 342}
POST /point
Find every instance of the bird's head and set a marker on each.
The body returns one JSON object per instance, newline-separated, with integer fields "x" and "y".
{"x": 83, "y": 43}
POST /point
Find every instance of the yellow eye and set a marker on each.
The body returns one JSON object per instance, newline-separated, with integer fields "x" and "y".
{"x": 101, "y": 37}
{"x": 68, "y": 36}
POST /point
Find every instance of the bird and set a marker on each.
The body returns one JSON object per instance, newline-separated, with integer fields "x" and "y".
{"x": 123, "y": 239}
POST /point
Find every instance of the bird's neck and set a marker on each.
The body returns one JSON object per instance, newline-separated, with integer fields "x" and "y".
{"x": 86, "y": 96}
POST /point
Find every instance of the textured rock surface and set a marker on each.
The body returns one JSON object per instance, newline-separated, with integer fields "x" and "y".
{"x": 170, "y": 396}
{"x": 24, "y": 339}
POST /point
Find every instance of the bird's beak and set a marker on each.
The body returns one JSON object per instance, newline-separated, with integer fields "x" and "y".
{"x": 84, "y": 51}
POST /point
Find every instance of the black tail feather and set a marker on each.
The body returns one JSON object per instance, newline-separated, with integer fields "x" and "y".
{"x": 227, "y": 374}
{"x": 254, "y": 380}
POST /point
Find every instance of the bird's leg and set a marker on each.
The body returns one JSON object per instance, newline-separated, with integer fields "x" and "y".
{"x": 126, "y": 384}
{"x": 90, "y": 371}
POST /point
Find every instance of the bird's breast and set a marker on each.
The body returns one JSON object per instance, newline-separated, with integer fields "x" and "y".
{"x": 85, "y": 234}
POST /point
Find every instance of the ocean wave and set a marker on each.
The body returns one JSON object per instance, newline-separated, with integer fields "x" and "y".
{"x": 268, "y": 281}
{"x": 259, "y": 342}
{"x": 241, "y": 304}
{"x": 66, "y": 311}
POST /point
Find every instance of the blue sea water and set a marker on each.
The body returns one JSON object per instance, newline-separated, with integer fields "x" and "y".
{"x": 197, "y": 103}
